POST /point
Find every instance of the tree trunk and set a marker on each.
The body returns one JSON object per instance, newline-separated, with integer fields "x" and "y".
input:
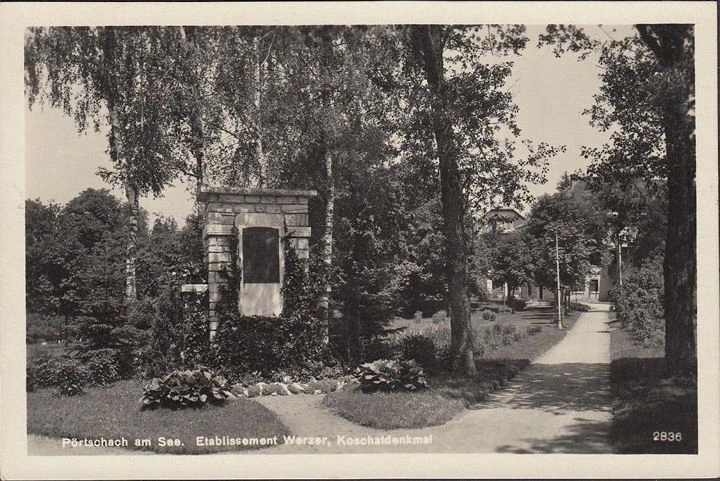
{"x": 257, "y": 79}
{"x": 674, "y": 47}
{"x": 327, "y": 254}
{"x": 429, "y": 43}
{"x": 131, "y": 248}
{"x": 327, "y": 244}
{"x": 680, "y": 269}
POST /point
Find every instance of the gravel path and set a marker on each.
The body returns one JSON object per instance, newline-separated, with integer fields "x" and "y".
{"x": 559, "y": 404}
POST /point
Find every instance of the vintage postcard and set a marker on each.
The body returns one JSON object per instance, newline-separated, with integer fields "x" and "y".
{"x": 329, "y": 240}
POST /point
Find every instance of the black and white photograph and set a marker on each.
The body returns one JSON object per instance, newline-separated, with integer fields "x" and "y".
{"x": 449, "y": 232}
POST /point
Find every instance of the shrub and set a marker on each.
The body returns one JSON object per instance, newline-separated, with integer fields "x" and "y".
{"x": 377, "y": 348}
{"x": 65, "y": 373}
{"x": 640, "y": 305}
{"x": 385, "y": 375}
{"x": 420, "y": 348}
{"x": 142, "y": 313}
{"x": 488, "y": 315}
{"x": 443, "y": 358}
{"x": 508, "y": 335}
{"x": 532, "y": 330}
{"x": 69, "y": 377}
{"x": 517, "y": 304}
{"x": 269, "y": 344}
{"x": 101, "y": 365}
{"x": 181, "y": 389}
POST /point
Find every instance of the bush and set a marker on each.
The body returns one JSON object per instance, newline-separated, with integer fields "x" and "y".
{"x": 532, "y": 330}
{"x": 181, "y": 389}
{"x": 377, "y": 348}
{"x": 640, "y": 306}
{"x": 290, "y": 343}
{"x": 385, "y": 375}
{"x": 70, "y": 378}
{"x": 488, "y": 315}
{"x": 509, "y": 334}
{"x": 101, "y": 365}
{"x": 420, "y": 348}
{"x": 65, "y": 373}
{"x": 517, "y": 304}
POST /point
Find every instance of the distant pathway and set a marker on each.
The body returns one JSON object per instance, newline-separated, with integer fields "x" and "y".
{"x": 561, "y": 403}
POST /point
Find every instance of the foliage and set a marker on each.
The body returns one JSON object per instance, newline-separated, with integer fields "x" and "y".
{"x": 44, "y": 327}
{"x": 375, "y": 348}
{"x": 181, "y": 389}
{"x": 269, "y": 344}
{"x": 533, "y": 330}
{"x": 420, "y": 348}
{"x": 101, "y": 365}
{"x": 647, "y": 101}
{"x": 488, "y": 315}
{"x": 639, "y": 304}
{"x": 64, "y": 373}
{"x": 580, "y": 237}
{"x": 385, "y": 375}
{"x": 511, "y": 259}
{"x": 299, "y": 296}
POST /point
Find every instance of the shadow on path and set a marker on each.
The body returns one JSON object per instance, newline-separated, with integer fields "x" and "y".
{"x": 557, "y": 388}
{"x": 586, "y": 436}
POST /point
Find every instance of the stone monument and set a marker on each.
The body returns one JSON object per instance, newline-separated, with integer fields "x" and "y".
{"x": 261, "y": 219}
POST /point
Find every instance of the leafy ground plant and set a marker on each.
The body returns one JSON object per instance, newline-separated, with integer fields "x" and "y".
{"x": 114, "y": 412}
{"x": 391, "y": 375}
{"x": 182, "y": 389}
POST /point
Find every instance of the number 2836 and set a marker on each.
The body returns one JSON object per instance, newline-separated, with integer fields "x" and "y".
{"x": 666, "y": 436}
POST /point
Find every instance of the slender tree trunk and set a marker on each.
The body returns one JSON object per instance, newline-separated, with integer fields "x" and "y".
{"x": 327, "y": 245}
{"x": 257, "y": 80}
{"x": 428, "y": 39}
{"x": 131, "y": 249}
{"x": 327, "y": 254}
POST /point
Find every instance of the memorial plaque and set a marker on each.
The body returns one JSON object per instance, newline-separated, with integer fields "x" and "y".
{"x": 261, "y": 255}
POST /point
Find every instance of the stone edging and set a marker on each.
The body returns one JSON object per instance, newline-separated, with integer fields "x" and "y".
{"x": 285, "y": 389}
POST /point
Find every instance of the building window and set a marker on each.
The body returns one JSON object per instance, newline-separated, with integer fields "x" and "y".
{"x": 261, "y": 255}
{"x": 594, "y": 285}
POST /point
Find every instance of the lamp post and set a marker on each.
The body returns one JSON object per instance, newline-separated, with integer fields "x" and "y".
{"x": 557, "y": 270}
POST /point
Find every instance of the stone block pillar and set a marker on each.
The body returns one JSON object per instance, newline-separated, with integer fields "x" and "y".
{"x": 262, "y": 219}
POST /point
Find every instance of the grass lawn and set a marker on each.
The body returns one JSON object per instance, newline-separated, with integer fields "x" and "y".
{"x": 447, "y": 396}
{"x": 114, "y": 412}
{"x": 52, "y": 349}
{"x": 528, "y": 347}
{"x": 648, "y": 403}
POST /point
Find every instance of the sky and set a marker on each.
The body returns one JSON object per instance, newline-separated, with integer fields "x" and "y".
{"x": 551, "y": 94}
